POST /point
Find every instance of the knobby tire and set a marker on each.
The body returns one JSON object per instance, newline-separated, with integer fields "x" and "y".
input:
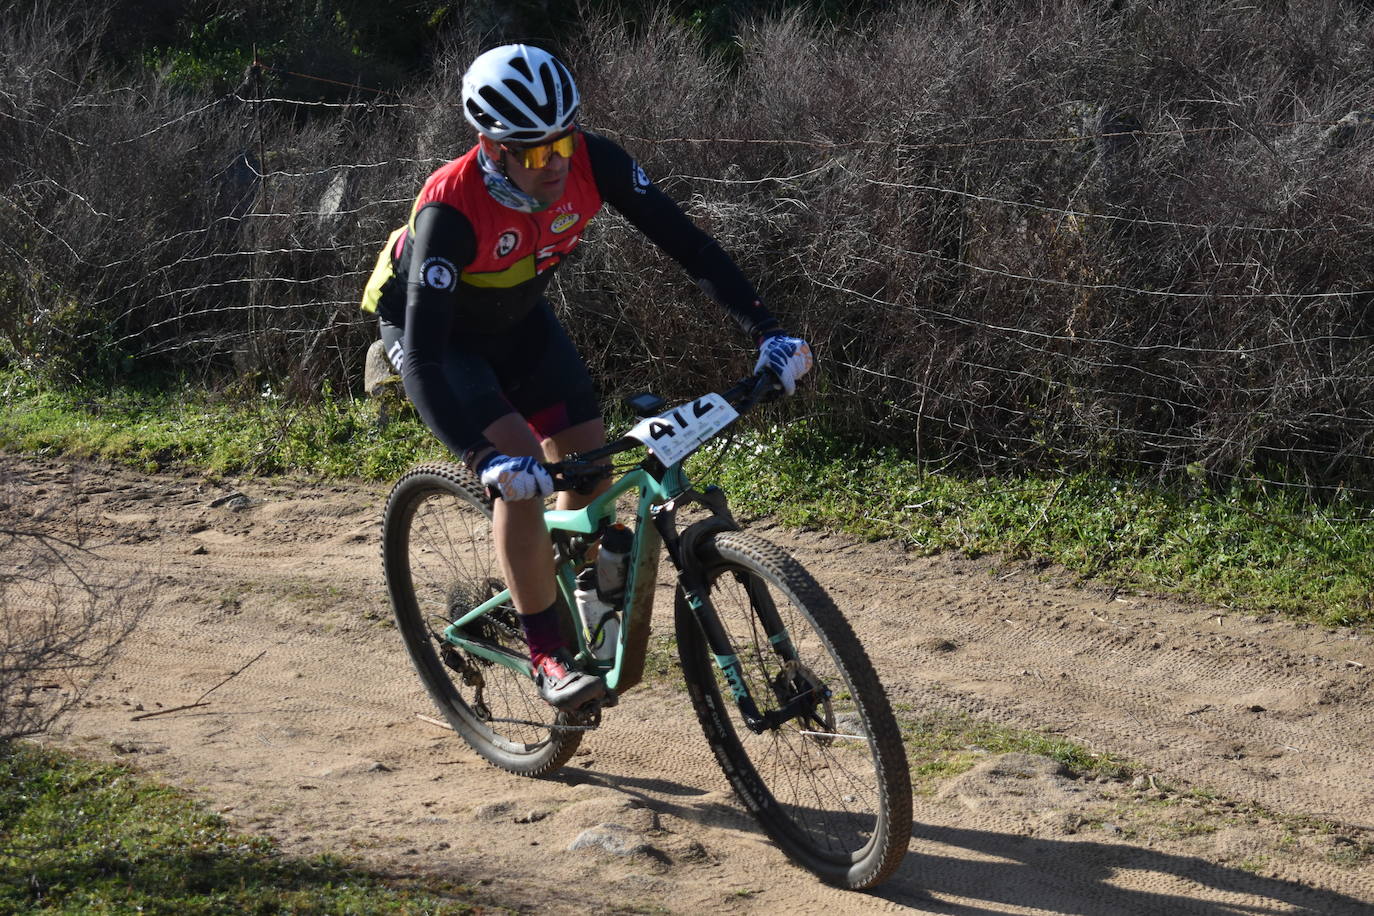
{"x": 837, "y": 801}
{"x": 440, "y": 561}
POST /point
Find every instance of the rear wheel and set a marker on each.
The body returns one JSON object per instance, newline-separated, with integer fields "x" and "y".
{"x": 830, "y": 784}
{"x": 440, "y": 562}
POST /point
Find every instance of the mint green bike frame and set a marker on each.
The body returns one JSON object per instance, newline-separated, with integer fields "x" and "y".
{"x": 660, "y": 496}
{"x": 626, "y": 667}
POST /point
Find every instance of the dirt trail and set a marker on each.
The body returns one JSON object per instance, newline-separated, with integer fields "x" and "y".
{"x": 318, "y": 742}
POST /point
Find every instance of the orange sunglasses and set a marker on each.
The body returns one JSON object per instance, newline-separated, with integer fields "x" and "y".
{"x": 538, "y": 155}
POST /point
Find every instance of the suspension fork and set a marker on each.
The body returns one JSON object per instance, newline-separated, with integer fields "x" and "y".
{"x": 759, "y": 598}
{"x": 682, "y": 551}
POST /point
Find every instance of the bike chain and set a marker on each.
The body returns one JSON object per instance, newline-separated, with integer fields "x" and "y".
{"x": 473, "y": 678}
{"x": 552, "y": 728}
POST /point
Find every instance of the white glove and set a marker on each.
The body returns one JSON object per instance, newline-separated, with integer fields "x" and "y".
{"x": 516, "y": 478}
{"x": 788, "y": 357}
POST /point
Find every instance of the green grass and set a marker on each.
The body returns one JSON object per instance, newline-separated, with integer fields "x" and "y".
{"x": 83, "y": 837}
{"x": 1254, "y": 547}
{"x": 940, "y": 745}
{"x": 251, "y": 433}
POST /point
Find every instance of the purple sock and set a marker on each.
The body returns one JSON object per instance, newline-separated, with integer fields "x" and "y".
{"x": 542, "y": 632}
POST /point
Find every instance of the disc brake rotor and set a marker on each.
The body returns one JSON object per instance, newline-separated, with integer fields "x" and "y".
{"x": 797, "y": 684}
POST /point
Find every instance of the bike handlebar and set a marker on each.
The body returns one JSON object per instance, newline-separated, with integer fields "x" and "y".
{"x": 759, "y": 388}
{"x": 583, "y": 470}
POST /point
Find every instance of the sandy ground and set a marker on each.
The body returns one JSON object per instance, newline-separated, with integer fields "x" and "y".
{"x": 1257, "y": 795}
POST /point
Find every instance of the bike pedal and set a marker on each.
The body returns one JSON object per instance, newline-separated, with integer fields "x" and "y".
{"x": 586, "y": 716}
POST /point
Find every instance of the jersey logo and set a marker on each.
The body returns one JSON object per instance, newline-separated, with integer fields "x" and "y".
{"x": 546, "y": 257}
{"x": 507, "y": 243}
{"x": 438, "y": 273}
{"x": 565, "y": 222}
{"x": 641, "y": 180}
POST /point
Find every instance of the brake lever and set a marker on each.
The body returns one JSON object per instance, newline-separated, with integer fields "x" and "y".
{"x": 773, "y": 388}
{"x": 761, "y": 388}
{"x": 583, "y": 480}
{"x": 586, "y": 485}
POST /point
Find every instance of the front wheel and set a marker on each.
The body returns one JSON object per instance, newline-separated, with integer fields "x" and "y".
{"x": 440, "y": 562}
{"x": 827, "y": 778}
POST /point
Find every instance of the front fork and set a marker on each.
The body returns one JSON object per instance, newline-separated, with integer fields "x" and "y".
{"x": 682, "y": 551}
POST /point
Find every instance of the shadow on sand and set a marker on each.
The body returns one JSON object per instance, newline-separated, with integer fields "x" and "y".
{"x": 999, "y": 871}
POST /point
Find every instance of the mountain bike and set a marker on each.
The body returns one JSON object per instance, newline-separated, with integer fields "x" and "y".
{"x": 786, "y": 695}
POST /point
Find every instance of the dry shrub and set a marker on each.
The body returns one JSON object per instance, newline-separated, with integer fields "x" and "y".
{"x": 1038, "y": 233}
{"x": 338, "y": 183}
{"x": 64, "y": 609}
{"x": 119, "y": 197}
{"x": 1021, "y": 235}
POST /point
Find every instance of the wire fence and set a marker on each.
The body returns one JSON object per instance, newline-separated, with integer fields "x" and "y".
{"x": 1182, "y": 300}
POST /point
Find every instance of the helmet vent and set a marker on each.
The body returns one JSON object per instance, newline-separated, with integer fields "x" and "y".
{"x": 519, "y": 93}
{"x": 521, "y": 66}
{"x": 503, "y": 109}
{"x": 547, "y": 111}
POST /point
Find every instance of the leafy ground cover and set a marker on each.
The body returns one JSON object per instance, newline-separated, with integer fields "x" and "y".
{"x": 1253, "y": 546}
{"x": 940, "y": 745}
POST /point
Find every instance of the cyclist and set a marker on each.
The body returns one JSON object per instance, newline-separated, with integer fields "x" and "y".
{"x": 458, "y": 293}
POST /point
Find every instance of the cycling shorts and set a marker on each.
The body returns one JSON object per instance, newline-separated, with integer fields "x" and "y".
{"x": 532, "y": 370}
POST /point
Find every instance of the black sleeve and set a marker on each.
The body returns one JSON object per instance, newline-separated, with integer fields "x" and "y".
{"x": 441, "y": 245}
{"x": 623, "y": 185}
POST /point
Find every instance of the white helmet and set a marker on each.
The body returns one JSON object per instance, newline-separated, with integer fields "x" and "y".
{"x": 520, "y": 93}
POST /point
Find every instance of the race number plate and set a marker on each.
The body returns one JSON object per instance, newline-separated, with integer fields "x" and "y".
{"x": 675, "y": 434}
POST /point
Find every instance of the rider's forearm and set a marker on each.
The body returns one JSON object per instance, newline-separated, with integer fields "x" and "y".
{"x": 625, "y": 187}
{"x": 721, "y": 279}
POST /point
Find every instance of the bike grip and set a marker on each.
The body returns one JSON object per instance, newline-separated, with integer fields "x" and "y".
{"x": 560, "y": 481}
{"x": 575, "y": 474}
{"x": 769, "y": 386}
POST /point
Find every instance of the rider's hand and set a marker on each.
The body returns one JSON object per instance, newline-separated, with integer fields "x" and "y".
{"x": 788, "y": 357}
{"x": 515, "y": 478}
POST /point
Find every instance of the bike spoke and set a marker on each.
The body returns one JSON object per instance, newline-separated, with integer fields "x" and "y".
{"x": 831, "y": 797}
{"x": 441, "y": 563}
{"x": 831, "y": 786}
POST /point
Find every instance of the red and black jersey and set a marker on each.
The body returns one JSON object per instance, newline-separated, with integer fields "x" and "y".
{"x": 503, "y": 258}
{"x": 468, "y": 267}
{"x": 510, "y": 247}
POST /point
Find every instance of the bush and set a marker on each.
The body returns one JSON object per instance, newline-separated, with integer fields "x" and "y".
{"x": 63, "y": 609}
{"x": 1045, "y": 234}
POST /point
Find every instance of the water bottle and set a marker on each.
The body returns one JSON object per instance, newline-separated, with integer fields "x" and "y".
{"x": 600, "y": 589}
{"x": 613, "y": 563}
